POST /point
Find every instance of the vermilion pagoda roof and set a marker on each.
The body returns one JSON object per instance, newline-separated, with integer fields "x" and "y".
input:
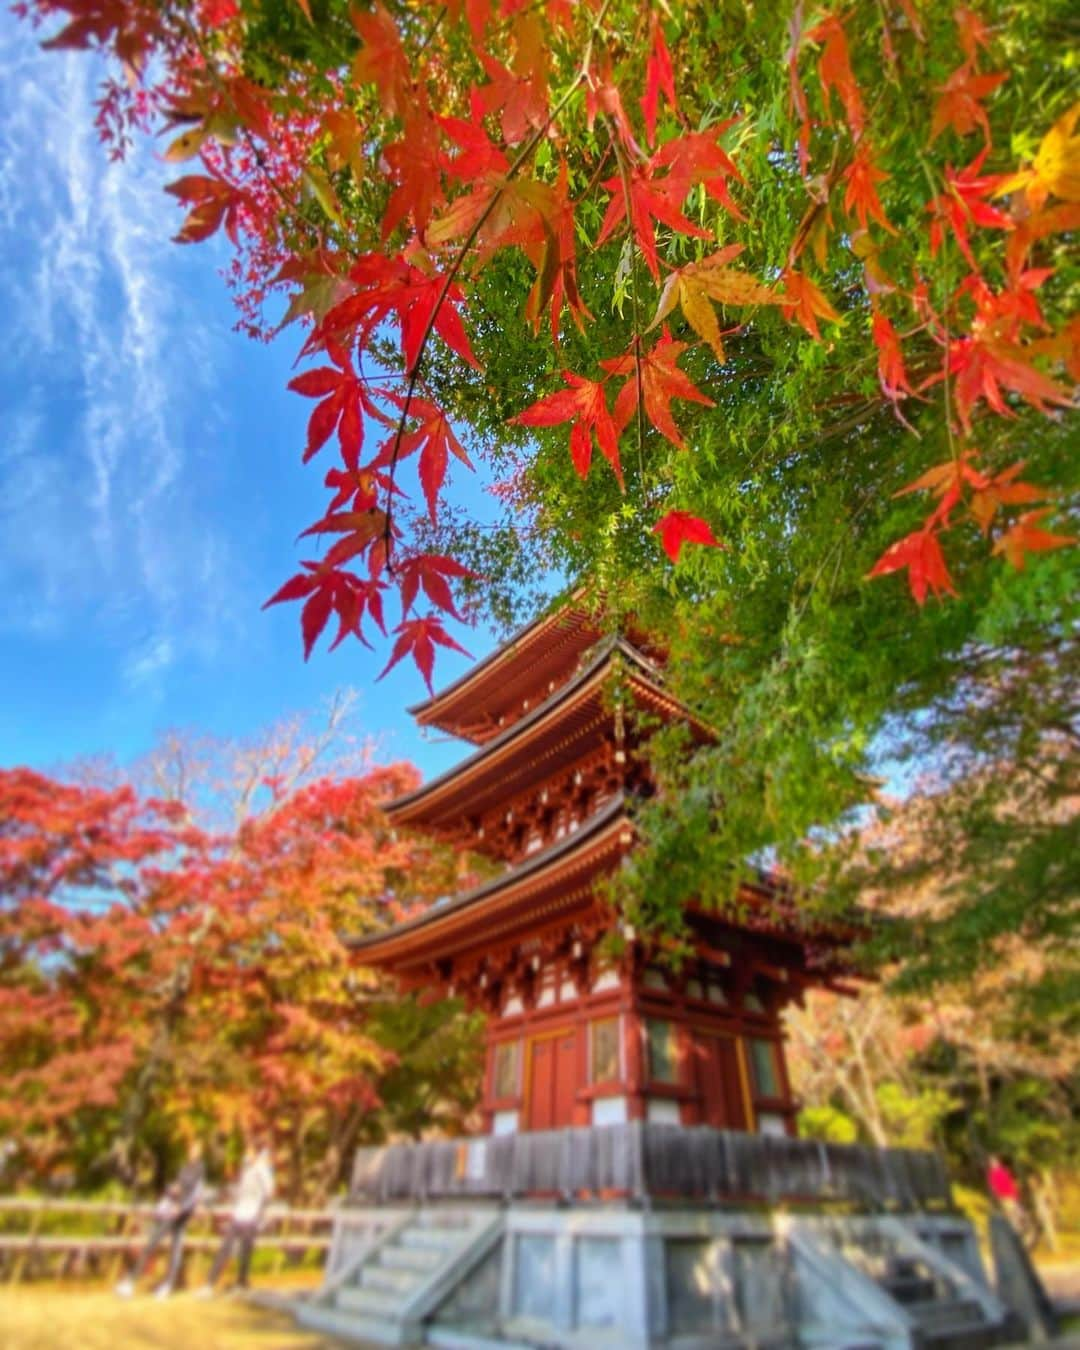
{"x": 532, "y": 663}
{"x": 545, "y": 741}
{"x": 556, "y": 885}
{"x": 538, "y": 893}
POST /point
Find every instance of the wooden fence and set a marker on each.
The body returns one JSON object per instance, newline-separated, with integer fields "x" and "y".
{"x": 71, "y": 1239}
{"x": 645, "y": 1162}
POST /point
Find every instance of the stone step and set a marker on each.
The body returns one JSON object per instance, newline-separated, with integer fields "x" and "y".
{"x": 457, "y": 1338}
{"x": 391, "y": 1280}
{"x": 439, "y": 1239}
{"x": 379, "y": 1305}
{"x": 946, "y": 1314}
{"x": 457, "y": 1219}
{"x": 907, "y": 1289}
{"x": 411, "y": 1258}
{"x": 349, "y": 1327}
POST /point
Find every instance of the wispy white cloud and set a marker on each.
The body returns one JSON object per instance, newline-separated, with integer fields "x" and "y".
{"x": 145, "y": 665}
{"x": 106, "y": 357}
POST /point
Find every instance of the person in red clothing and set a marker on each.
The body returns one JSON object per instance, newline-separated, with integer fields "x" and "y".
{"x": 1001, "y": 1182}
{"x": 1003, "y": 1187}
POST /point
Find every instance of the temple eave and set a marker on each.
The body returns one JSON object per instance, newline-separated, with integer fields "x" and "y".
{"x": 549, "y": 884}
{"x": 549, "y": 738}
{"x": 542, "y": 648}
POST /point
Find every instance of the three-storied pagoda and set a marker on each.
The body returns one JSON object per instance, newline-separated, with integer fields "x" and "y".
{"x": 627, "y": 1192}
{"x": 576, "y": 1035}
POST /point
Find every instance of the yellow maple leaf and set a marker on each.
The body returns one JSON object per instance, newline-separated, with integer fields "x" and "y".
{"x": 1055, "y": 170}
{"x": 695, "y": 287}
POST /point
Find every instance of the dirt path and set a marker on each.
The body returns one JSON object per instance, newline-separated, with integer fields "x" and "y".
{"x": 58, "y": 1319}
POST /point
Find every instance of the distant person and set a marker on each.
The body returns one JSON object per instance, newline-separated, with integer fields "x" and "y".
{"x": 171, "y": 1218}
{"x": 252, "y": 1194}
{"x": 1003, "y": 1187}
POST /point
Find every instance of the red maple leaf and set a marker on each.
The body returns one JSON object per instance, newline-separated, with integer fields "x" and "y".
{"x": 417, "y": 637}
{"x": 963, "y": 204}
{"x": 920, "y": 552}
{"x": 429, "y": 571}
{"x": 520, "y": 94}
{"x": 361, "y": 484}
{"x": 659, "y": 77}
{"x": 328, "y": 589}
{"x": 602, "y": 96}
{"x": 358, "y": 529}
{"x": 414, "y": 164}
{"x": 554, "y": 255}
{"x": 971, "y": 31}
{"x": 650, "y": 198}
{"x": 213, "y": 203}
{"x": 585, "y": 405}
{"x": 434, "y": 437}
{"x": 344, "y": 397}
{"x": 984, "y": 367}
{"x": 697, "y": 157}
{"x": 680, "y": 527}
{"x": 385, "y": 286}
{"x": 662, "y": 381}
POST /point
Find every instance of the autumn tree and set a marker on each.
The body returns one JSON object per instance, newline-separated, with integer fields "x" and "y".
{"x": 159, "y": 982}
{"x": 760, "y": 317}
{"x": 79, "y": 949}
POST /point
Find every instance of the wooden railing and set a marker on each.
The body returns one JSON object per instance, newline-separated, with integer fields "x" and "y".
{"x": 644, "y": 1162}
{"x": 45, "y": 1238}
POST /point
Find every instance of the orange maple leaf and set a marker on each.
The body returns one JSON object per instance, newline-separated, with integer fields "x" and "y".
{"x": 662, "y": 381}
{"x": 959, "y": 102}
{"x": 892, "y": 373}
{"x": 1004, "y": 489}
{"x": 834, "y": 70}
{"x": 804, "y": 302}
{"x": 1026, "y": 537}
{"x": 382, "y": 60}
{"x": 861, "y": 198}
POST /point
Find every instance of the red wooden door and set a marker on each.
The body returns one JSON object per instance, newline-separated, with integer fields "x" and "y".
{"x": 552, "y": 1083}
{"x": 720, "y": 1081}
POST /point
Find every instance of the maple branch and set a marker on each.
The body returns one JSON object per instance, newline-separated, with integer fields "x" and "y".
{"x": 523, "y": 156}
{"x": 635, "y": 317}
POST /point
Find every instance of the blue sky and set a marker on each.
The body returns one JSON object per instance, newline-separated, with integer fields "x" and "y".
{"x": 150, "y": 478}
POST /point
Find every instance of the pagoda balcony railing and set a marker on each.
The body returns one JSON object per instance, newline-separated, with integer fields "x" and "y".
{"x": 642, "y": 1163}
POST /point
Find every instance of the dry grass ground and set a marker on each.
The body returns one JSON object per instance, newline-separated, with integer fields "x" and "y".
{"x": 51, "y": 1317}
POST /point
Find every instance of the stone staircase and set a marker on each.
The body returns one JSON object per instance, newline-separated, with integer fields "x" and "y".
{"x": 942, "y": 1317}
{"x": 888, "y": 1288}
{"x": 392, "y": 1283}
{"x": 481, "y": 1277}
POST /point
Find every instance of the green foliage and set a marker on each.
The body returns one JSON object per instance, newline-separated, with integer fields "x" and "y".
{"x": 828, "y": 1123}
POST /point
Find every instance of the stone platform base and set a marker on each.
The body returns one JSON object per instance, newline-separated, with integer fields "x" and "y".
{"x": 474, "y": 1276}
